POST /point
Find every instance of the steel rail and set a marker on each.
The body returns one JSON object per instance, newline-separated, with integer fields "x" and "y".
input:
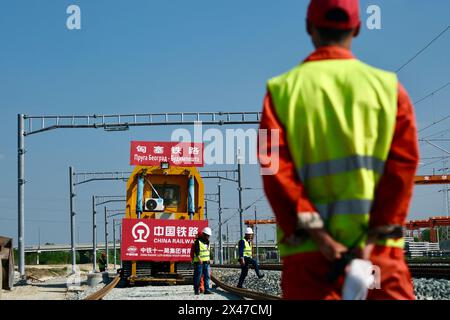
{"x": 100, "y": 294}
{"x": 428, "y": 261}
{"x": 430, "y": 271}
{"x": 244, "y": 293}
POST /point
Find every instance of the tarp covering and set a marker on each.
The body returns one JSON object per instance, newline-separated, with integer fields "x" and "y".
{"x": 7, "y": 258}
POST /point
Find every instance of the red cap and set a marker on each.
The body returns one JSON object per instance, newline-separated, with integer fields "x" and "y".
{"x": 318, "y": 10}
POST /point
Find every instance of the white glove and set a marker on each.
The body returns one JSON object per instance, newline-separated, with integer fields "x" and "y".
{"x": 358, "y": 280}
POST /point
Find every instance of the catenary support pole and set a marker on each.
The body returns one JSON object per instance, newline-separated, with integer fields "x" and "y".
{"x": 256, "y": 236}
{"x": 114, "y": 243}
{"x": 21, "y": 193}
{"x": 220, "y": 225}
{"x": 72, "y": 220}
{"x": 94, "y": 236}
{"x": 106, "y": 239}
{"x": 120, "y": 240}
{"x": 239, "y": 160}
{"x": 228, "y": 246}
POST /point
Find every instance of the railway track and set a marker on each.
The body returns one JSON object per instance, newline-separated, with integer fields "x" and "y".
{"x": 100, "y": 294}
{"x": 244, "y": 293}
{"x": 432, "y": 268}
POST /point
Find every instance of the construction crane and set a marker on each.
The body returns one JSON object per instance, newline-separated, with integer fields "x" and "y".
{"x": 251, "y": 223}
{"x": 433, "y": 179}
{"x": 431, "y": 223}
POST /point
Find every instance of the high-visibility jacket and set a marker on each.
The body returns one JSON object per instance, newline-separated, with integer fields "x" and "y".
{"x": 204, "y": 253}
{"x": 339, "y": 117}
{"x": 247, "y": 248}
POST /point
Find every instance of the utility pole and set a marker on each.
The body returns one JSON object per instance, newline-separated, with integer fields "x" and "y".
{"x": 228, "y": 246}
{"x": 120, "y": 239}
{"x": 39, "y": 245}
{"x": 206, "y": 210}
{"x": 448, "y": 210}
{"x": 256, "y": 236}
{"x": 446, "y": 196}
{"x": 94, "y": 236}
{"x": 114, "y": 243}
{"x": 106, "y": 239}
{"x": 72, "y": 220}
{"x": 21, "y": 192}
{"x": 239, "y": 160}
{"x": 220, "y": 225}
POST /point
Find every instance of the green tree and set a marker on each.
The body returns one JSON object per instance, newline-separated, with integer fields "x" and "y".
{"x": 426, "y": 235}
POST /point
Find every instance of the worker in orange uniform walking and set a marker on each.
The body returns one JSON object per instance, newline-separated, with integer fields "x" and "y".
{"x": 342, "y": 169}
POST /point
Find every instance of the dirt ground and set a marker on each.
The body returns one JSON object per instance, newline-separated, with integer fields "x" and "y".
{"x": 48, "y": 282}
{"x": 50, "y": 289}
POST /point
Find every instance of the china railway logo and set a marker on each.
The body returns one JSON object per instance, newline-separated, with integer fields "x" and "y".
{"x": 132, "y": 249}
{"x": 140, "y": 232}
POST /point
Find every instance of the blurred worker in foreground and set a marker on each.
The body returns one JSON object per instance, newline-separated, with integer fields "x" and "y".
{"x": 202, "y": 258}
{"x": 347, "y": 155}
{"x": 102, "y": 262}
{"x": 245, "y": 257}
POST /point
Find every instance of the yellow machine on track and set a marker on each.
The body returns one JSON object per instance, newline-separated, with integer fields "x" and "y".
{"x": 162, "y": 192}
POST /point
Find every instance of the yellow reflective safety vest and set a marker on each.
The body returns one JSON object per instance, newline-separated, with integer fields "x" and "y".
{"x": 339, "y": 116}
{"x": 204, "y": 254}
{"x": 247, "y": 248}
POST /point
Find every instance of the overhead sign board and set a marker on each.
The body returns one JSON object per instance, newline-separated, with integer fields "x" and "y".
{"x": 183, "y": 154}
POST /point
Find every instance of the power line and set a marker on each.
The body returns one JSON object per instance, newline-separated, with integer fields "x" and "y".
{"x": 432, "y": 158}
{"x": 426, "y": 97}
{"x": 430, "y": 163}
{"x": 423, "y": 49}
{"x": 246, "y": 208}
{"x": 434, "y": 123}
{"x": 432, "y": 93}
{"x": 44, "y": 221}
{"x": 441, "y": 133}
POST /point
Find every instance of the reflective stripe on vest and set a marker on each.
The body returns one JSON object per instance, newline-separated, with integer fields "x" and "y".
{"x": 339, "y": 117}
{"x": 204, "y": 252}
{"x": 247, "y": 249}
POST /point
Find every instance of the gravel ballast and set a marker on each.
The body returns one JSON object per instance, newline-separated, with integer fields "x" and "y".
{"x": 425, "y": 289}
{"x": 432, "y": 289}
{"x": 184, "y": 292}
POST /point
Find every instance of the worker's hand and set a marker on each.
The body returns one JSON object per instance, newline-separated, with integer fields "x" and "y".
{"x": 330, "y": 248}
{"x": 200, "y": 261}
{"x": 241, "y": 261}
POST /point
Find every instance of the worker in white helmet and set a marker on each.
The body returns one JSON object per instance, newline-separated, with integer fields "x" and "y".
{"x": 201, "y": 261}
{"x": 245, "y": 257}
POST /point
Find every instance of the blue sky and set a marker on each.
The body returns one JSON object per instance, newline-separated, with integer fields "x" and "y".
{"x": 152, "y": 56}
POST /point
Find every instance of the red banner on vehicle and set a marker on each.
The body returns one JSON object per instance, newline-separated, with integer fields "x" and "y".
{"x": 159, "y": 240}
{"x": 183, "y": 154}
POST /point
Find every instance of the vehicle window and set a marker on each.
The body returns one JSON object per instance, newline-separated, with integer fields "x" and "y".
{"x": 170, "y": 194}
